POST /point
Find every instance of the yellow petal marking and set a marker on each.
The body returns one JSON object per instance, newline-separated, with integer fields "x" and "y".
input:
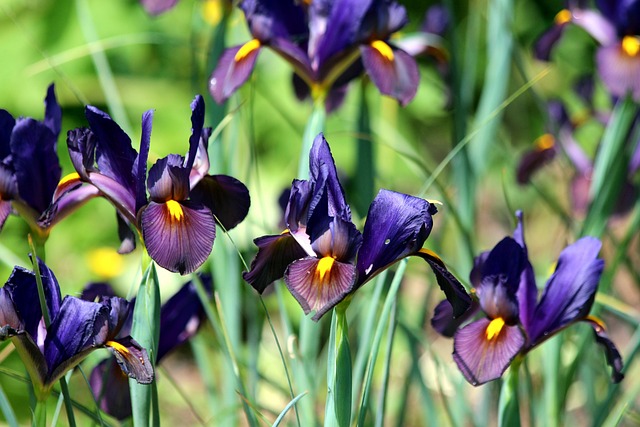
{"x": 324, "y": 266}
{"x": 494, "y": 328}
{"x": 563, "y": 17}
{"x": 117, "y": 347}
{"x": 246, "y": 49}
{"x": 71, "y": 177}
{"x": 631, "y": 45}
{"x": 545, "y": 142}
{"x": 383, "y": 48}
{"x": 175, "y": 210}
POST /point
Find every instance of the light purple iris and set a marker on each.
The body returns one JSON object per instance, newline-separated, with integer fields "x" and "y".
{"x": 323, "y": 257}
{"x": 328, "y": 43}
{"x": 178, "y": 221}
{"x": 180, "y": 319}
{"x": 29, "y": 166}
{"x": 513, "y": 320}
{"x": 77, "y": 328}
{"x": 616, "y": 26}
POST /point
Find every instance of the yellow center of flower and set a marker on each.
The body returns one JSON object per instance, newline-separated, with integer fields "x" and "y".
{"x": 383, "y": 48}
{"x": 71, "y": 177}
{"x": 324, "y": 266}
{"x": 117, "y": 347}
{"x": 631, "y": 45}
{"x": 246, "y": 49}
{"x": 494, "y": 328}
{"x": 563, "y": 17}
{"x": 545, "y": 142}
{"x": 175, "y": 210}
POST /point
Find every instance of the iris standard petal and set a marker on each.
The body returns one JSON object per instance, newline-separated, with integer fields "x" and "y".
{"x": 341, "y": 240}
{"x": 392, "y": 70}
{"x": 156, "y": 7}
{"x": 110, "y": 388}
{"x": 324, "y": 174}
{"x": 197, "y": 124}
{"x": 319, "y": 284}
{"x": 620, "y": 69}
{"x": 444, "y": 322}
{"x": 268, "y": 19}
{"x": 570, "y": 291}
{"x": 140, "y": 164}
{"x": 52, "y": 112}
{"x": 397, "y": 226}
{"x": 178, "y": 236}
{"x": 7, "y": 122}
{"x": 611, "y": 352}
{"x": 600, "y": 28}
{"x": 543, "y": 46}
{"x": 275, "y": 253}
{"x": 132, "y": 359}
{"x": 81, "y": 144}
{"x": 527, "y": 294}
{"x": 168, "y": 179}
{"x": 201, "y": 165}
{"x": 225, "y": 196}
{"x": 33, "y": 150}
{"x": 233, "y": 69}
{"x": 483, "y": 350}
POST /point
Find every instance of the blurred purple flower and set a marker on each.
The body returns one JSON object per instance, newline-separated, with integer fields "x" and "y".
{"x": 29, "y": 166}
{"x": 177, "y": 223}
{"x": 514, "y": 320}
{"x": 324, "y": 258}
{"x": 328, "y": 43}
{"x": 77, "y": 328}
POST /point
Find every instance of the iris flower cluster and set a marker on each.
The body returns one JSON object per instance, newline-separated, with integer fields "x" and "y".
{"x": 322, "y": 256}
{"x": 177, "y": 222}
{"x": 51, "y": 343}
{"x": 328, "y": 43}
{"x": 512, "y": 320}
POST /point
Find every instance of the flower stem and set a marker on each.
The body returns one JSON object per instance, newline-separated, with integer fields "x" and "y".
{"x": 40, "y": 414}
{"x": 509, "y": 405}
{"x": 338, "y": 408}
{"x": 315, "y": 125}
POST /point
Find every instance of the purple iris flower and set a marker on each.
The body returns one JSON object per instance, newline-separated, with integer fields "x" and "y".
{"x": 180, "y": 318}
{"x": 29, "y": 166}
{"x": 513, "y": 321}
{"x": 616, "y": 26}
{"x": 178, "y": 221}
{"x": 328, "y": 43}
{"x": 77, "y": 328}
{"x": 324, "y": 258}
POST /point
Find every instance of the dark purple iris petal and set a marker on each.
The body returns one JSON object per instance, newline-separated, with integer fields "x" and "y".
{"x": 114, "y": 154}
{"x": 444, "y": 322}
{"x": 33, "y": 149}
{"x": 293, "y": 54}
{"x": 317, "y": 288}
{"x": 340, "y": 241}
{"x": 225, "y": 196}
{"x": 453, "y": 290}
{"x": 268, "y": 19}
{"x": 569, "y": 293}
{"x": 275, "y": 253}
{"x": 123, "y": 199}
{"x": 52, "y": 112}
{"x": 297, "y": 210}
{"x": 532, "y": 161}
{"x": 81, "y": 143}
{"x": 476, "y": 272}
{"x": 397, "y": 226}
{"x": 543, "y": 46}
{"x": 168, "y": 179}
{"x": 527, "y": 294}
{"x": 110, "y": 388}
{"x": 68, "y": 197}
{"x": 181, "y": 316}
{"x": 201, "y": 164}
{"x": 140, "y": 165}
{"x": 197, "y": 124}
{"x": 73, "y": 332}
{"x": 625, "y": 15}
{"x": 126, "y": 235}
{"x": 500, "y": 280}
{"x": 132, "y": 358}
{"x": 97, "y": 291}
{"x": 7, "y": 122}
{"x": 481, "y": 359}
{"x": 231, "y": 72}
{"x": 323, "y": 172}
{"x": 383, "y": 18}
{"x": 156, "y": 7}
{"x": 619, "y": 71}
{"x": 8, "y": 315}
{"x": 611, "y": 352}
{"x": 436, "y": 20}
{"x": 396, "y": 76}
{"x": 178, "y": 236}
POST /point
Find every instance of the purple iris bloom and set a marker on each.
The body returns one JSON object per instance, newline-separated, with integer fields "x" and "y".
{"x": 513, "y": 320}
{"x": 616, "y": 26}
{"x": 77, "y": 328}
{"x": 178, "y": 221}
{"x": 180, "y": 318}
{"x": 29, "y": 166}
{"x": 324, "y": 258}
{"x": 328, "y": 44}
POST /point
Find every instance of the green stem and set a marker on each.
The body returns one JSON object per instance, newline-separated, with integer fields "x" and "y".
{"x": 365, "y": 160}
{"x": 341, "y": 386}
{"x": 315, "y": 125}
{"x": 509, "y": 405}
{"x": 40, "y": 414}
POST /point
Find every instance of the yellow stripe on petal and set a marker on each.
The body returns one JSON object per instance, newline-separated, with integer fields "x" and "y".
{"x": 117, "y": 347}
{"x": 544, "y": 142}
{"x": 71, "y": 177}
{"x": 246, "y": 49}
{"x": 430, "y": 253}
{"x": 563, "y": 17}
{"x": 175, "y": 210}
{"x": 631, "y": 45}
{"x": 383, "y": 48}
{"x": 324, "y": 266}
{"x": 494, "y": 328}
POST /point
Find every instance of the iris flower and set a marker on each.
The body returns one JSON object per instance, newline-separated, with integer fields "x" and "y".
{"x": 77, "y": 328}
{"x": 177, "y": 222}
{"x": 513, "y": 320}
{"x": 29, "y": 166}
{"x": 324, "y": 258}
{"x": 328, "y": 43}
{"x": 180, "y": 319}
{"x": 616, "y": 26}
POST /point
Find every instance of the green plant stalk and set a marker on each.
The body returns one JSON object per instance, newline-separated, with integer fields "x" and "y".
{"x": 339, "y": 370}
{"x": 315, "y": 125}
{"x": 40, "y": 414}
{"x": 364, "y": 179}
{"x": 382, "y": 394}
{"x": 552, "y": 397}
{"x": 509, "y": 404}
{"x": 7, "y": 409}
